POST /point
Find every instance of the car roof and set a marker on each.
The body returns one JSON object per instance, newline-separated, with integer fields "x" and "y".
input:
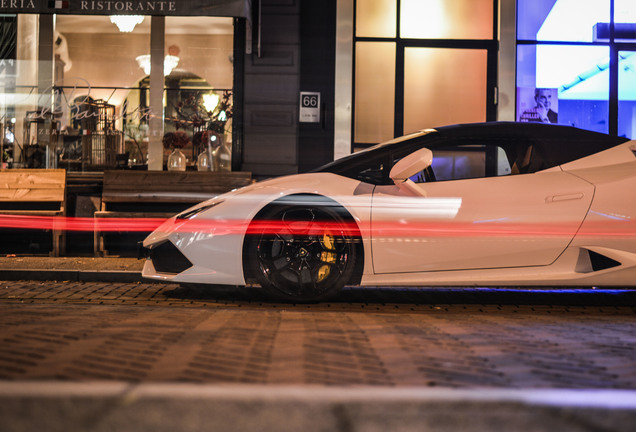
{"x": 541, "y": 133}
{"x": 553, "y": 144}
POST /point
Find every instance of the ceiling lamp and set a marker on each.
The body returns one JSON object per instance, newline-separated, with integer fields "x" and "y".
{"x": 210, "y": 101}
{"x": 126, "y": 23}
{"x": 169, "y": 63}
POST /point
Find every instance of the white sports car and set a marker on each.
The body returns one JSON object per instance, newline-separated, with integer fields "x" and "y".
{"x": 492, "y": 204}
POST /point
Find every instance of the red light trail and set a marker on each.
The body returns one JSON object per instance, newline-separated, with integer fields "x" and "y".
{"x": 379, "y": 229}
{"x": 79, "y": 224}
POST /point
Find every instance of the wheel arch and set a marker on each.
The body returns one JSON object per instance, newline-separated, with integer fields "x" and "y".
{"x": 314, "y": 199}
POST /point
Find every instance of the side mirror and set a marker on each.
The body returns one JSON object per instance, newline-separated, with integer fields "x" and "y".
{"x": 409, "y": 166}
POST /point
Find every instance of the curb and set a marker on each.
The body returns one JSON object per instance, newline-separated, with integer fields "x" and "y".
{"x": 108, "y": 406}
{"x": 73, "y": 275}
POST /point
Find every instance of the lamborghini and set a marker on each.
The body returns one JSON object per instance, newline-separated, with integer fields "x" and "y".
{"x": 488, "y": 204}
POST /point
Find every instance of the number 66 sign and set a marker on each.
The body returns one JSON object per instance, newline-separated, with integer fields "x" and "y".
{"x": 309, "y": 107}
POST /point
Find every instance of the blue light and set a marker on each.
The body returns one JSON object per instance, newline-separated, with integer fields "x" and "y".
{"x": 573, "y": 20}
{"x": 582, "y": 72}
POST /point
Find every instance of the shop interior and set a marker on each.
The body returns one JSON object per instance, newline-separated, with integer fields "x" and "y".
{"x": 95, "y": 116}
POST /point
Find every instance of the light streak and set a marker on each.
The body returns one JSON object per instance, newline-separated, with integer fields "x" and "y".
{"x": 383, "y": 229}
{"x": 79, "y": 224}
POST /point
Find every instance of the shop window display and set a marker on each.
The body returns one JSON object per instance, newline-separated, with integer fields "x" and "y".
{"x": 627, "y": 94}
{"x": 89, "y": 109}
{"x": 566, "y": 50}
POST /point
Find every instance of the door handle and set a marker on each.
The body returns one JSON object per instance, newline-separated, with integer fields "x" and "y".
{"x": 565, "y": 197}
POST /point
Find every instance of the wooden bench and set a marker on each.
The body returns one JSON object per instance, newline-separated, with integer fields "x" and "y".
{"x": 159, "y": 194}
{"x": 36, "y": 192}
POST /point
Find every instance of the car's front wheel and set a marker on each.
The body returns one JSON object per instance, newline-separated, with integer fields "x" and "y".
{"x": 301, "y": 253}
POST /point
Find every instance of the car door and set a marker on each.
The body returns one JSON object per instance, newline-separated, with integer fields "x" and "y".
{"x": 479, "y": 222}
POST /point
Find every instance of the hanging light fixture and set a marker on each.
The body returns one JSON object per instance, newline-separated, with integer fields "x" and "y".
{"x": 126, "y": 23}
{"x": 210, "y": 101}
{"x": 169, "y": 63}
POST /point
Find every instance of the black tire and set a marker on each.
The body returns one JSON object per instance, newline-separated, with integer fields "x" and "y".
{"x": 301, "y": 252}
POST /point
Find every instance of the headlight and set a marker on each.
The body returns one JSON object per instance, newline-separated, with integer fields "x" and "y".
{"x": 189, "y": 214}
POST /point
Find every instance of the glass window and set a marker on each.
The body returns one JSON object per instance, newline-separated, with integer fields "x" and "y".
{"x": 86, "y": 45}
{"x": 445, "y": 86}
{"x": 446, "y": 19}
{"x": 575, "y": 77}
{"x": 625, "y": 12}
{"x": 625, "y": 17}
{"x": 465, "y": 162}
{"x": 198, "y": 98}
{"x": 92, "y": 96}
{"x": 19, "y": 92}
{"x": 375, "y": 91}
{"x": 575, "y": 80}
{"x": 627, "y": 94}
{"x": 440, "y": 85}
{"x": 561, "y": 20}
{"x": 76, "y": 113}
{"x": 469, "y": 161}
{"x": 376, "y": 18}
{"x": 460, "y": 163}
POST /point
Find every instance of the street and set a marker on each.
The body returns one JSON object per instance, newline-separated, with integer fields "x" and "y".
{"x": 451, "y": 338}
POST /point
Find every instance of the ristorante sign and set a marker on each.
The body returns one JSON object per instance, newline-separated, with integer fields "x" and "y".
{"x": 237, "y": 8}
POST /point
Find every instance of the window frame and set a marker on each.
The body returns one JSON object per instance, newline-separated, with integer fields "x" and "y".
{"x": 490, "y": 45}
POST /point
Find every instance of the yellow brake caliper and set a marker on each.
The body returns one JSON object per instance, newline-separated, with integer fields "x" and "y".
{"x": 327, "y": 256}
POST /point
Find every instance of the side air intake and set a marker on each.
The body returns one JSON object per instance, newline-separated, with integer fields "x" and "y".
{"x": 590, "y": 261}
{"x": 168, "y": 259}
{"x": 601, "y": 262}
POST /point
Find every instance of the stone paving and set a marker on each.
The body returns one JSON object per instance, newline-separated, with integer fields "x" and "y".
{"x": 79, "y": 331}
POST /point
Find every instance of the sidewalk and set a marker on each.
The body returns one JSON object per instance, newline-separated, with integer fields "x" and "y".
{"x": 83, "y": 269}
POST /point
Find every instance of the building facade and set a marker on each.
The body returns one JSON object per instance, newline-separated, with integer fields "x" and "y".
{"x": 287, "y": 85}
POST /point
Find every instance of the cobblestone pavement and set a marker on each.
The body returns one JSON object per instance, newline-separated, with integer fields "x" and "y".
{"x": 436, "y": 337}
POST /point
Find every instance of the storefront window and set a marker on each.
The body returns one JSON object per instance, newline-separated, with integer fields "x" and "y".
{"x": 439, "y": 77}
{"x": 375, "y": 84}
{"x": 97, "y": 71}
{"x": 88, "y": 108}
{"x": 436, "y": 70}
{"x": 25, "y": 92}
{"x": 569, "y": 57}
{"x": 627, "y": 94}
{"x": 625, "y": 17}
{"x": 560, "y": 20}
{"x": 198, "y": 90}
{"x": 376, "y": 18}
{"x": 574, "y": 78}
{"x": 446, "y": 19}
{"x": 624, "y": 12}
